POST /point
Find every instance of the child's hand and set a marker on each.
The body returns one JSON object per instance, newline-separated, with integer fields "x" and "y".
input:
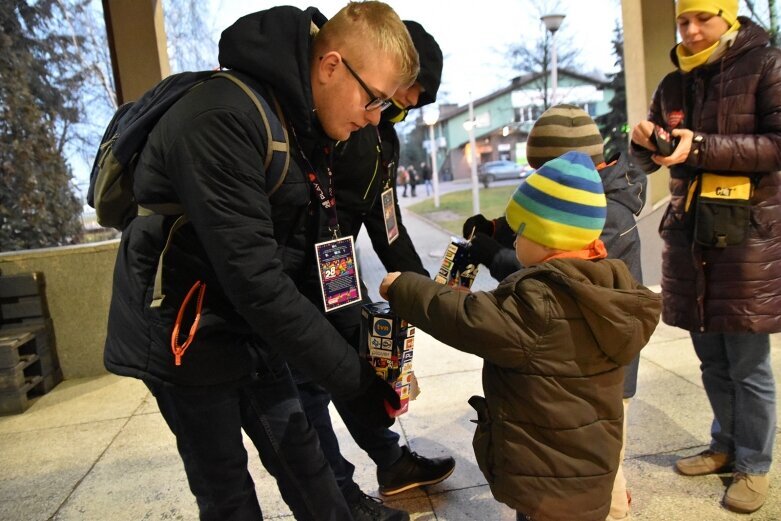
{"x": 389, "y": 279}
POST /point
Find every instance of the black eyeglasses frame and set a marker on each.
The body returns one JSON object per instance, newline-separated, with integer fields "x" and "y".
{"x": 375, "y": 102}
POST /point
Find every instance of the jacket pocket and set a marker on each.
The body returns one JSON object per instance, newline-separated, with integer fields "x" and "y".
{"x": 481, "y": 442}
{"x": 676, "y": 226}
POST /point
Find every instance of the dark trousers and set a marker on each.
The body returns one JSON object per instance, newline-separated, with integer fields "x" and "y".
{"x": 382, "y": 445}
{"x": 207, "y": 424}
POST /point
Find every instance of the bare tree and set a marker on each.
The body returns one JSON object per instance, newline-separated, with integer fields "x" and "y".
{"x": 189, "y": 30}
{"x": 56, "y": 96}
{"x": 533, "y": 54}
{"x": 190, "y": 47}
{"x": 767, "y": 17}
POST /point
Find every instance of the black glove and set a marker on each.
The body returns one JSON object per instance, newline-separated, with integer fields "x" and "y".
{"x": 482, "y": 249}
{"x": 369, "y": 405}
{"x": 478, "y": 223}
{"x": 503, "y": 233}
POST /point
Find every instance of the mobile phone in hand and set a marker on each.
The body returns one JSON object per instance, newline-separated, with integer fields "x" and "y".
{"x": 664, "y": 141}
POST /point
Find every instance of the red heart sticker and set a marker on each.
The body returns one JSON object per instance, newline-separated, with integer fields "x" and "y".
{"x": 674, "y": 118}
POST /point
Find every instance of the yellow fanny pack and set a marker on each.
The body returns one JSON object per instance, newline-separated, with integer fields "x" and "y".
{"x": 722, "y": 209}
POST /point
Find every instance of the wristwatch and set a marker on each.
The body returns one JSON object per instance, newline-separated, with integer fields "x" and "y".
{"x": 697, "y": 143}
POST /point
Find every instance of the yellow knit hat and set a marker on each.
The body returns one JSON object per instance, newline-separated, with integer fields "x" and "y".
{"x": 727, "y": 9}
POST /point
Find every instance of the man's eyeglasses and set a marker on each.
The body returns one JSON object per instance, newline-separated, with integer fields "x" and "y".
{"x": 375, "y": 102}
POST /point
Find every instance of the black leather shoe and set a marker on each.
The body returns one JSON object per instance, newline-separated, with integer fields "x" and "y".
{"x": 367, "y": 508}
{"x": 411, "y": 471}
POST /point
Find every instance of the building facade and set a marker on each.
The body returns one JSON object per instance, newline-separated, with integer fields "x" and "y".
{"x": 502, "y": 119}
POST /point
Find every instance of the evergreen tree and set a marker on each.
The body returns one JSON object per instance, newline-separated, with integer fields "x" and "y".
{"x": 38, "y": 207}
{"x": 613, "y": 124}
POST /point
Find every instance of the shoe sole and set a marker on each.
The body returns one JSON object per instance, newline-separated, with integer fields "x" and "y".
{"x": 394, "y": 491}
{"x": 741, "y": 509}
{"x": 723, "y": 470}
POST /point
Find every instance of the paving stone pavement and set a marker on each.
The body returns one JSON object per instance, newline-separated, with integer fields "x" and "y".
{"x": 97, "y": 448}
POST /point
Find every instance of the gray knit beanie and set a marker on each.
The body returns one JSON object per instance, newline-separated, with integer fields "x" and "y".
{"x": 561, "y": 129}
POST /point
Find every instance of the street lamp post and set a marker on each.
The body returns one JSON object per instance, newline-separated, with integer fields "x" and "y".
{"x": 470, "y": 128}
{"x": 552, "y": 23}
{"x": 430, "y": 118}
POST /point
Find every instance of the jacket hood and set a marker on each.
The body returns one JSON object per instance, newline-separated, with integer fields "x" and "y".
{"x": 273, "y": 47}
{"x": 621, "y": 313}
{"x": 430, "y": 57}
{"x": 625, "y": 183}
{"x": 750, "y": 35}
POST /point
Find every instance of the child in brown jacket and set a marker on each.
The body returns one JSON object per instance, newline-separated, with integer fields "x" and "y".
{"x": 555, "y": 337}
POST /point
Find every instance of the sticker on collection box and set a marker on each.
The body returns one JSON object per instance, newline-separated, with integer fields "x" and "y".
{"x": 388, "y": 346}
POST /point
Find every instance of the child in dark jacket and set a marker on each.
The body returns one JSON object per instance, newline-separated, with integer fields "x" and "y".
{"x": 564, "y": 128}
{"x": 555, "y": 337}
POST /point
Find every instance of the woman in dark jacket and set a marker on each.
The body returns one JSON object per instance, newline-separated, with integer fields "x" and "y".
{"x": 723, "y": 282}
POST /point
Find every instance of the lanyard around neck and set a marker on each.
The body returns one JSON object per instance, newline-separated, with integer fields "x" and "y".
{"x": 325, "y": 197}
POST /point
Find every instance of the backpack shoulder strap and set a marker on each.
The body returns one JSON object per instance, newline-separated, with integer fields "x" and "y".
{"x": 277, "y": 160}
{"x": 276, "y": 164}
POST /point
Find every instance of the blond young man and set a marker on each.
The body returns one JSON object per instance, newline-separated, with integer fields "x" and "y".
{"x": 241, "y": 251}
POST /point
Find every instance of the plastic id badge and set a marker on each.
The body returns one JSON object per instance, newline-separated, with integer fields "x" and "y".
{"x": 389, "y": 215}
{"x": 338, "y": 273}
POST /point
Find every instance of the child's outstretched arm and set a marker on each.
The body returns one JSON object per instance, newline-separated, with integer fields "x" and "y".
{"x": 386, "y": 283}
{"x": 475, "y": 323}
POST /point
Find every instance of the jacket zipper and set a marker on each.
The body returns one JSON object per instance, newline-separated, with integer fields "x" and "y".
{"x": 374, "y": 175}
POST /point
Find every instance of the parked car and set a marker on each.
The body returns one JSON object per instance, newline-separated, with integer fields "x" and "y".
{"x": 500, "y": 170}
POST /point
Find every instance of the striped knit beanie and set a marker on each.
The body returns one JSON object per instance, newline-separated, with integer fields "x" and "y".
{"x": 560, "y": 129}
{"x": 562, "y": 205}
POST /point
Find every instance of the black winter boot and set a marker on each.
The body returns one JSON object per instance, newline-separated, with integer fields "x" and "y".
{"x": 367, "y": 508}
{"x": 412, "y": 470}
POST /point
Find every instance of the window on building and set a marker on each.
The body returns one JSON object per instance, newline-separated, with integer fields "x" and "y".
{"x": 590, "y": 108}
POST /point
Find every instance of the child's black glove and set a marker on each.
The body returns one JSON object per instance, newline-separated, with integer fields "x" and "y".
{"x": 482, "y": 249}
{"x": 479, "y": 224}
{"x": 369, "y": 405}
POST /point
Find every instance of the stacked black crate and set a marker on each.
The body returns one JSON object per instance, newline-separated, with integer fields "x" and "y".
{"x": 28, "y": 357}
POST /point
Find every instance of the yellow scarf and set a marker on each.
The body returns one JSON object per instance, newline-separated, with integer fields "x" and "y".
{"x": 687, "y": 62}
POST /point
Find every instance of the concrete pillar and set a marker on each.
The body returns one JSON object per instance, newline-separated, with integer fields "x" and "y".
{"x": 649, "y": 34}
{"x": 139, "y": 54}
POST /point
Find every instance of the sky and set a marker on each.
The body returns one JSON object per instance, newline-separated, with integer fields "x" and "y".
{"x": 473, "y": 35}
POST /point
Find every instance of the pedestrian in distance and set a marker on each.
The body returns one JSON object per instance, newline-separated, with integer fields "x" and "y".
{"x": 560, "y": 129}
{"x": 554, "y": 337}
{"x": 403, "y": 179}
{"x": 413, "y": 179}
{"x": 228, "y": 266}
{"x": 715, "y": 122}
{"x": 425, "y": 172}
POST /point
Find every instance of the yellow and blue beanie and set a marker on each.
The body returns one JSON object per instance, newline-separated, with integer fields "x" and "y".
{"x": 562, "y": 205}
{"x": 727, "y": 9}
